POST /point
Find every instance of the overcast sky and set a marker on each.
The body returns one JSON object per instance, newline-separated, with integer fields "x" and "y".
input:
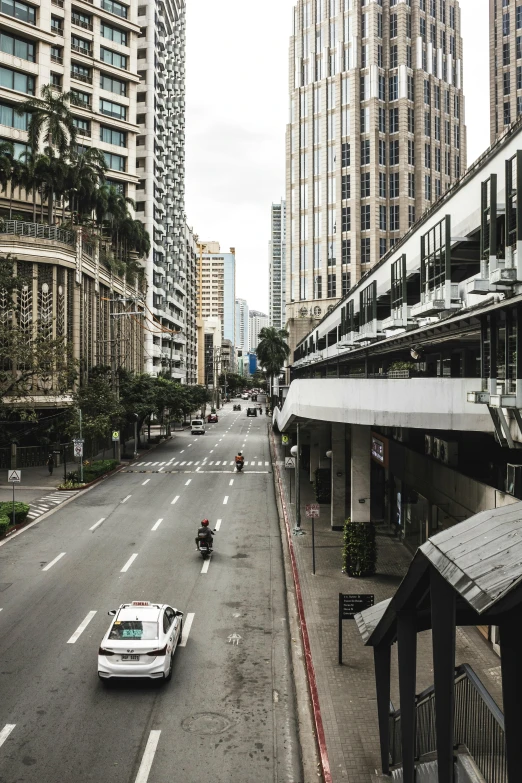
{"x": 237, "y": 110}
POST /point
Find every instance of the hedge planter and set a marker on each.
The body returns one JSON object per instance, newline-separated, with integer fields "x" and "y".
{"x": 6, "y": 517}
{"x": 323, "y": 485}
{"x": 360, "y": 549}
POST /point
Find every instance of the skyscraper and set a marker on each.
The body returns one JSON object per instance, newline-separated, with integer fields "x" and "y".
{"x": 277, "y": 267}
{"x": 218, "y": 287}
{"x": 376, "y": 135}
{"x": 257, "y": 321}
{"x": 505, "y": 65}
{"x": 160, "y": 195}
{"x": 242, "y": 324}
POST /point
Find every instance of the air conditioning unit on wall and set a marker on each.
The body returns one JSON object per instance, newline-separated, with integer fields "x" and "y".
{"x": 435, "y": 448}
{"x": 514, "y": 481}
{"x": 428, "y": 445}
{"x": 448, "y": 452}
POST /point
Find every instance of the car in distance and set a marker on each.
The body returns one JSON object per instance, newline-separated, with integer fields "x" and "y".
{"x": 245, "y": 396}
{"x": 251, "y": 412}
{"x": 197, "y": 427}
{"x": 140, "y": 642}
{"x": 212, "y": 418}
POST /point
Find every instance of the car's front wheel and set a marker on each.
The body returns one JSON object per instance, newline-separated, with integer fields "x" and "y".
{"x": 168, "y": 676}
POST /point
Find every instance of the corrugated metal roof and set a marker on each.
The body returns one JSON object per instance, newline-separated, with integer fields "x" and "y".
{"x": 367, "y": 621}
{"x": 481, "y": 557}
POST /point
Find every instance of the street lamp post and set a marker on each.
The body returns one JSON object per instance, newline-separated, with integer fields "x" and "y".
{"x": 295, "y": 451}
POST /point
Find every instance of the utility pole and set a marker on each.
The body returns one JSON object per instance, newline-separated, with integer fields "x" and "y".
{"x": 298, "y": 480}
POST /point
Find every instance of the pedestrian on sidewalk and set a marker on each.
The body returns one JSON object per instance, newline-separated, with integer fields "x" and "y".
{"x": 50, "y": 464}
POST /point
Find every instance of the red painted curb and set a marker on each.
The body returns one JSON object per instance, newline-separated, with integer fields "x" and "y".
{"x": 310, "y": 671}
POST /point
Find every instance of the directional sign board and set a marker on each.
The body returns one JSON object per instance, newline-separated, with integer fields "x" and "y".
{"x": 14, "y": 476}
{"x": 115, "y": 435}
{"x": 289, "y": 462}
{"x": 284, "y": 440}
{"x": 350, "y": 605}
{"x": 312, "y": 511}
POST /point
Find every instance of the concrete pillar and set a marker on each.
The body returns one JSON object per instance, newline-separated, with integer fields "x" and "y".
{"x": 319, "y": 445}
{"x": 361, "y": 449}
{"x": 338, "y": 464}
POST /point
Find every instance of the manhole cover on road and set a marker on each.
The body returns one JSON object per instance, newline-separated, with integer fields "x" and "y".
{"x": 206, "y": 723}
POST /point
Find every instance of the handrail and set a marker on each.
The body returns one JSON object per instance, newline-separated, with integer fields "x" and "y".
{"x": 479, "y": 725}
{"x": 37, "y": 230}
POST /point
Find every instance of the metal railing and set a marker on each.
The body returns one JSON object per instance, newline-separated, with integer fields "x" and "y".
{"x": 37, "y": 230}
{"x": 479, "y": 726}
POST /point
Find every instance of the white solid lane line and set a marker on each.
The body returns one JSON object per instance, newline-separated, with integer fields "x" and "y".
{"x": 218, "y": 524}
{"x": 97, "y": 524}
{"x": 128, "y": 564}
{"x": 187, "y": 482}
{"x": 175, "y": 500}
{"x": 81, "y": 628}
{"x": 182, "y": 450}
{"x": 225, "y": 500}
{"x": 6, "y": 732}
{"x": 145, "y": 482}
{"x": 50, "y": 565}
{"x": 125, "y": 499}
{"x": 148, "y": 756}
{"x": 205, "y": 566}
{"x": 230, "y": 482}
{"x": 187, "y": 625}
{"x": 157, "y": 524}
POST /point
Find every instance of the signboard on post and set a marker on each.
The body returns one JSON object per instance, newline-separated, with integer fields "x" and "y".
{"x": 313, "y": 511}
{"x": 14, "y": 476}
{"x": 350, "y": 605}
{"x": 78, "y": 448}
{"x": 115, "y": 436}
{"x": 289, "y": 462}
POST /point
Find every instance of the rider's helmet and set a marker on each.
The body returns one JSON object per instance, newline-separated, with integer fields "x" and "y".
{"x": 205, "y": 522}
{"x": 240, "y": 454}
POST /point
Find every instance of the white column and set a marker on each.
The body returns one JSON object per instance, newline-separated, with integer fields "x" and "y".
{"x": 338, "y": 507}
{"x": 361, "y": 448}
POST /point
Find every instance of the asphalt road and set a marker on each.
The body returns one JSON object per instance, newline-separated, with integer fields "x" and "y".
{"x": 228, "y": 712}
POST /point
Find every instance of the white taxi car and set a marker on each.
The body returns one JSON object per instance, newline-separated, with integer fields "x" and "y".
{"x": 141, "y": 641}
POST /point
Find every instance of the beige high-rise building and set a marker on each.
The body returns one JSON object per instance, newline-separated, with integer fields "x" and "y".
{"x": 217, "y": 288}
{"x": 376, "y": 136}
{"x": 505, "y": 65}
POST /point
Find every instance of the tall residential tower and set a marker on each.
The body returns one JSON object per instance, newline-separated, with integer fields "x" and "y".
{"x": 376, "y": 135}
{"x": 277, "y": 267}
{"x": 505, "y": 65}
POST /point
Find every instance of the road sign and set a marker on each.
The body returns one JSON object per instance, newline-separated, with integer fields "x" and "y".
{"x": 115, "y": 436}
{"x": 350, "y": 605}
{"x": 312, "y": 511}
{"x": 284, "y": 440}
{"x": 78, "y": 448}
{"x": 289, "y": 462}
{"x": 14, "y": 476}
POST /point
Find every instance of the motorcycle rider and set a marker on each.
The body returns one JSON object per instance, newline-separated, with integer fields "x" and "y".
{"x": 204, "y": 534}
{"x": 240, "y": 460}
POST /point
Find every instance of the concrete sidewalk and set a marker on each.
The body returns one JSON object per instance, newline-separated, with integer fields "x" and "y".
{"x": 347, "y": 693}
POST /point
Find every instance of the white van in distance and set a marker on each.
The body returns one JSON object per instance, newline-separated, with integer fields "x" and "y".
{"x": 197, "y": 427}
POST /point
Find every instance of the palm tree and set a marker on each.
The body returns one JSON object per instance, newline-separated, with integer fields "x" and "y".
{"x": 51, "y": 117}
{"x": 6, "y": 164}
{"x": 272, "y": 353}
{"x": 84, "y": 177}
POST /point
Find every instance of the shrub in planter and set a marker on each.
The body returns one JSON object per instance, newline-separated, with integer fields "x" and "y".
{"x": 360, "y": 548}
{"x": 96, "y": 469}
{"x": 323, "y": 485}
{"x": 4, "y": 524}
{"x": 21, "y": 511}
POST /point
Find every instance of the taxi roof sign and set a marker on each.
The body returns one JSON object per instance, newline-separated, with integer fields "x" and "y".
{"x": 141, "y": 603}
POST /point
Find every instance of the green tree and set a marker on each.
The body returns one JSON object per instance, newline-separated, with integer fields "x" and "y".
{"x": 272, "y": 352}
{"x": 101, "y": 412}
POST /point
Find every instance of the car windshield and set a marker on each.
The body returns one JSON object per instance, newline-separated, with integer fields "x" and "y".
{"x": 134, "y": 629}
{"x": 197, "y": 423}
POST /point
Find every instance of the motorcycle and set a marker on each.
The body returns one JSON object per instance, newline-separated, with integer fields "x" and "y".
{"x": 239, "y": 465}
{"x": 205, "y": 547}
{"x": 237, "y": 407}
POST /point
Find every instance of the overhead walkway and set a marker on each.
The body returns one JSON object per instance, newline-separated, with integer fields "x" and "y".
{"x": 423, "y": 403}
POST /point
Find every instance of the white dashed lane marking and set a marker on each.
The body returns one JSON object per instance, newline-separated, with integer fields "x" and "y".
{"x": 50, "y": 565}
{"x": 6, "y": 731}
{"x": 145, "y": 482}
{"x": 129, "y": 562}
{"x": 187, "y": 625}
{"x": 205, "y": 566}
{"x": 157, "y": 524}
{"x": 148, "y": 756}
{"x": 218, "y": 524}
{"x": 125, "y": 499}
{"x": 81, "y": 628}
{"x": 187, "y": 482}
{"x": 175, "y": 500}
{"x": 225, "y": 500}
{"x": 97, "y": 524}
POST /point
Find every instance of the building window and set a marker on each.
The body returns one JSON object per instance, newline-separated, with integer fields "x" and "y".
{"x": 115, "y": 86}
{"x": 345, "y": 155}
{"x": 507, "y": 83}
{"x": 346, "y": 283}
{"x": 394, "y": 153}
{"x": 394, "y": 56}
{"x": 382, "y": 247}
{"x": 427, "y": 187}
{"x": 393, "y": 25}
{"x": 411, "y": 215}
{"x": 382, "y": 152}
{"x": 113, "y": 109}
{"x": 115, "y": 162}
{"x": 427, "y": 156}
{"x": 365, "y": 250}
{"x": 19, "y": 47}
{"x": 411, "y": 185}
{"x": 382, "y": 185}
{"x": 394, "y": 185}
{"x": 115, "y": 8}
{"x": 79, "y": 98}
{"x": 318, "y": 287}
{"x": 346, "y": 251}
{"x": 112, "y": 136}
{"x": 382, "y": 87}
{"x": 410, "y": 88}
{"x": 81, "y": 20}
{"x": 346, "y": 219}
{"x": 393, "y": 87}
{"x": 332, "y": 286}
{"x": 411, "y": 120}
{"x": 19, "y": 10}
{"x": 365, "y": 152}
{"x": 11, "y": 119}
{"x": 365, "y": 217}
{"x": 81, "y": 72}
{"x": 365, "y": 184}
{"x": 382, "y": 218}
{"x": 114, "y": 34}
{"x": 506, "y": 48}
{"x": 14, "y": 80}
{"x": 394, "y": 218}
{"x": 427, "y": 123}
{"x": 507, "y": 113}
{"x": 56, "y": 25}
{"x": 81, "y": 45}
{"x": 505, "y": 23}
{"x": 394, "y": 120}
{"x": 345, "y": 186}
{"x": 113, "y": 58}
{"x": 427, "y": 92}
{"x": 382, "y": 120}
{"x": 411, "y": 152}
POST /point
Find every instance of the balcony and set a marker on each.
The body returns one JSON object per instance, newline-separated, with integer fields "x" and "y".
{"x": 37, "y": 231}
{"x": 81, "y": 50}
{"x": 57, "y": 59}
{"x": 400, "y": 318}
{"x": 81, "y": 77}
{"x": 437, "y": 300}
{"x": 85, "y": 132}
{"x": 81, "y": 23}
{"x": 58, "y": 3}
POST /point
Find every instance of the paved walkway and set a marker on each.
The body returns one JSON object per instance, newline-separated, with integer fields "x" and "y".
{"x": 347, "y": 693}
